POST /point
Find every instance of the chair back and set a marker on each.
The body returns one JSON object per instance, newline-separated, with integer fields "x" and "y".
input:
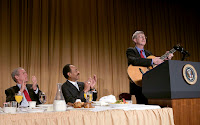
{"x": 126, "y": 96}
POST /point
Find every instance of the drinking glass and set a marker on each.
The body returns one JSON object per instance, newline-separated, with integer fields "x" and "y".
{"x": 42, "y": 97}
{"x": 88, "y": 96}
{"x": 13, "y": 104}
{"x": 18, "y": 98}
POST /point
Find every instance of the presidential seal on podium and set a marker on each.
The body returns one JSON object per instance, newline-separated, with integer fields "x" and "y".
{"x": 189, "y": 74}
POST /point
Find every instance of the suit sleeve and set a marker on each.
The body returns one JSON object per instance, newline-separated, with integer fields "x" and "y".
{"x": 81, "y": 96}
{"x": 94, "y": 96}
{"x": 69, "y": 97}
{"x": 33, "y": 96}
{"x": 39, "y": 92}
{"x": 134, "y": 60}
{"x": 37, "y": 96}
{"x": 10, "y": 95}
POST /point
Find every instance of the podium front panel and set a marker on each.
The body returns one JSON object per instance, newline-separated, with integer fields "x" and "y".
{"x": 166, "y": 81}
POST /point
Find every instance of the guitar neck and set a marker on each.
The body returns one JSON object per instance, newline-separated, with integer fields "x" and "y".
{"x": 167, "y": 54}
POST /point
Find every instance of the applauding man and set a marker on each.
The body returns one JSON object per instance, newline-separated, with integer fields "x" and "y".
{"x": 72, "y": 89}
{"x": 30, "y": 92}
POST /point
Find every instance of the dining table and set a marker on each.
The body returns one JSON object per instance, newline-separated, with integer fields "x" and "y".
{"x": 130, "y": 114}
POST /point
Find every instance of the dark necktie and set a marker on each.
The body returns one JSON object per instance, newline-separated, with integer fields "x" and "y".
{"x": 27, "y": 95}
{"x": 142, "y": 56}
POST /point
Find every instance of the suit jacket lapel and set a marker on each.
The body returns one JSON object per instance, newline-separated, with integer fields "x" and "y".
{"x": 15, "y": 89}
{"x": 81, "y": 86}
{"x": 72, "y": 86}
{"x": 147, "y": 53}
{"x": 137, "y": 53}
{"x": 30, "y": 91}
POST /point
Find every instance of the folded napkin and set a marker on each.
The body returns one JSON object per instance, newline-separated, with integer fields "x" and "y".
{"x": 99, "y": 103}
{"x": 108, "y": 99}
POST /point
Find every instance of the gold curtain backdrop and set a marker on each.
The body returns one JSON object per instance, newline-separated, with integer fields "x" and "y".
{"x": 44, "y": 35}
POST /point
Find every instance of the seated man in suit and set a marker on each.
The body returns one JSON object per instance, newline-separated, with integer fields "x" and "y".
{"x": 30, "y": 92}
{"x": 72, "y": 89}
{"x": 137, "y": 56}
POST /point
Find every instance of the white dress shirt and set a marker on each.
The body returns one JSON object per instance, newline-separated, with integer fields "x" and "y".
{"x": 75, "y": 84}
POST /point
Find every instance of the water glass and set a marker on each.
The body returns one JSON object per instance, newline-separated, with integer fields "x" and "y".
{"x": 42, "y": 97}
{"x": 88, "y": 96}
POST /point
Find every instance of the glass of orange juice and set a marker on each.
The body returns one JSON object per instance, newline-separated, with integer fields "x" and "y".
{"x": 88, "y": 96}
{"x": 18, "y": 98}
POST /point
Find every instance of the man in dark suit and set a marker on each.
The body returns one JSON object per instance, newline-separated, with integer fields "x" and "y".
{"x": 72, "y": 89}
{"x": 137, "y": 56}
{"x": 30, "y": 92}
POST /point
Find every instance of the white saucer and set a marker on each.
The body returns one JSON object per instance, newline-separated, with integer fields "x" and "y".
{"x": 119, "y": 105}
{"x": 35, "y": 110}
{"x": 72, "y": 108}
{"x": 44, "y": 105}
{"x": 99, "y": 103}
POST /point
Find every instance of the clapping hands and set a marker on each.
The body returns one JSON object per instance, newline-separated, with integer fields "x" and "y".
{"x": 93, "y": 81}
{"x": 90, "y": 83}
{"x": 34, "y": 80}
{"x": 23, "y": 86}
{"x": 34, "y": 86}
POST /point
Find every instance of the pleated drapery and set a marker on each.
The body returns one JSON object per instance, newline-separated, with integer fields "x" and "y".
{"x": 44, "y": 35}
{"x": 162, "y": 116}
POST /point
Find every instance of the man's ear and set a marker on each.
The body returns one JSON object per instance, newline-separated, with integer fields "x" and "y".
{"x": 134, "y": 40}
{"x": 16, "y": 77}
{"x": 69, "y": 74}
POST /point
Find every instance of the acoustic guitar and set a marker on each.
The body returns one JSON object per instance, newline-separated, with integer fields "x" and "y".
{"x": 135, "y": 73}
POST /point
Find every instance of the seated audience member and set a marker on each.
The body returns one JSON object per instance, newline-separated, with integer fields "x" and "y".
{"x": 30, "y": 92}
{"x": 72, "y": 89}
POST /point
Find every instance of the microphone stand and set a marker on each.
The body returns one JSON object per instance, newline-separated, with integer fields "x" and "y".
{"x": 185, "y": 54}
{"x": 180, "y": 49}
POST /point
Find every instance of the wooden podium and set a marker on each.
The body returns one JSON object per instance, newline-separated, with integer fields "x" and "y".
{"x": 167, "y": 85}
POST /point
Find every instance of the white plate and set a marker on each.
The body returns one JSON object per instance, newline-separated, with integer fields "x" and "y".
{"x": 99, "y": 103}
{"x": 23, "y": 109}
{"x": 44, "y": 105}
{"x": 72, "y": 108}
{"x": 119, "y": 105}
{"x": 35, "y": 110}
{"x": 1, "y": 110}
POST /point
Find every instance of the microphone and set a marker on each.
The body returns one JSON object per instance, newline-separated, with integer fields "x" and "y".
{"x": 184, "y": 52}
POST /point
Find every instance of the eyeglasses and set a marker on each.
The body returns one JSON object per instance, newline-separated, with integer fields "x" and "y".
{"x": 142, "y": 37}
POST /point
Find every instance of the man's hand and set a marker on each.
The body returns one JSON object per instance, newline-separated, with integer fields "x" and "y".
{"x": 23, "y": 86}
{"x": 157, "y": 60}
{"x": 87, "y": 85}
{"x": 93, "y": 81}
{"x": 34, "y": 80}
{"x": 169, "y": 56}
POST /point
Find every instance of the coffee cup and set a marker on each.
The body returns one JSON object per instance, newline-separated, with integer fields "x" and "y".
{"x": 32, "y": 104}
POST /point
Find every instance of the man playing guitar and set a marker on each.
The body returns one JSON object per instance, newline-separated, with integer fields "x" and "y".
{"x": 137, "y": 56}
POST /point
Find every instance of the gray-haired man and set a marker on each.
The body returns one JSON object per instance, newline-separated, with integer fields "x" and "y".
{"x": 30, "y": 92}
